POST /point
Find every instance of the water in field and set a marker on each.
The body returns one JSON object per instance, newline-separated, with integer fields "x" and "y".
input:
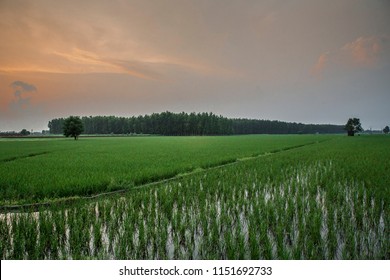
{"x": 239, "y": 212}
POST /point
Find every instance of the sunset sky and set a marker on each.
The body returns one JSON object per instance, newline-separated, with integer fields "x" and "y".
{"x": 300, "y": 60}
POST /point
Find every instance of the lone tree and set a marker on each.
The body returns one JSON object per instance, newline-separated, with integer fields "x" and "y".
{"x": 353, "y": 126}
{"x": 73, "y": 127}
{"x": 386, "y": 130}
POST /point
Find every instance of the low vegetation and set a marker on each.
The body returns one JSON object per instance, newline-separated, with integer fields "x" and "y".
{"x": 329, "y": 200}
{"x": 43, "y": 169}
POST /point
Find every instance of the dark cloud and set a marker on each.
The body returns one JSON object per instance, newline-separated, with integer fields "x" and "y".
{"x": 21, "y": 87}
{"x": 21, "y": 102}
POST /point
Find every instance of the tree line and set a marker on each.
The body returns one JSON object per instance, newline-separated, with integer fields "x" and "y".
{"x": 253, "y": 126}
{"x": 168, "y": 123}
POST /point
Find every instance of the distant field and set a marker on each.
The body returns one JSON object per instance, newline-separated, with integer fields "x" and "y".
{"x": 42, "y": 169}
{"x": 328, "y": 200}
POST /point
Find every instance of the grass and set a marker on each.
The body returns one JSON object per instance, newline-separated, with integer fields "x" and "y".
{"x": 45, "y": 169}
{"x": 324, "y": 201}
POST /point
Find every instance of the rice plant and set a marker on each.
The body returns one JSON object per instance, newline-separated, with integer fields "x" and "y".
{"x": 307, "y": 203}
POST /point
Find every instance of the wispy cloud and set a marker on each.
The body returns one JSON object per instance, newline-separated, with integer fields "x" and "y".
{"x": 85, "y": 61}
{"x": 319, "y": 67}
{"x": 148, "y": 67}
{"x": 120, "y": 37}
{"x": 364, "y": 52}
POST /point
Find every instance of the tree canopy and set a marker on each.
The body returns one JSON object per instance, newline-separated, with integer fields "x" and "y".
{"x": 168, "y": 123}
{"x": 24, "y": 132}
{"x": 353, "y": 126}
{"x": 386, "y": 130}
{"x": 73, "y": 126}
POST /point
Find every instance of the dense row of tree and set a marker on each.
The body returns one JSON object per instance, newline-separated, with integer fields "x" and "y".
{"x": 165, "y": 123}
{"x": 168, "y": 123}
{"x": 23, "y": 132}
{"x": 250, "y": 126}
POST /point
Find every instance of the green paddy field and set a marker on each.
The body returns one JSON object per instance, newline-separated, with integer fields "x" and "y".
{"x": 226, "y": 197}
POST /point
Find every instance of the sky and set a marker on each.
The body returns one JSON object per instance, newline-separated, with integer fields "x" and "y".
{"x": 300, "y": 60}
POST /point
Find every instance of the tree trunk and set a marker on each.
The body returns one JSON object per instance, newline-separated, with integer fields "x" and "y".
{"x": 351, "y": 133}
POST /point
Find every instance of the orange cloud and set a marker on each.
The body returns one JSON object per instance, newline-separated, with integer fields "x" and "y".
{"x": 84, "y": 61}
{"x": 364, "y": 51}
{"x": 71, "y": 39}
{"x": 319, "y": 67}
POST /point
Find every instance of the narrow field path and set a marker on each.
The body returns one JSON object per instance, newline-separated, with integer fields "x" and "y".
{"x": 22, "y": 157}
{"x": 34, "y": 207}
